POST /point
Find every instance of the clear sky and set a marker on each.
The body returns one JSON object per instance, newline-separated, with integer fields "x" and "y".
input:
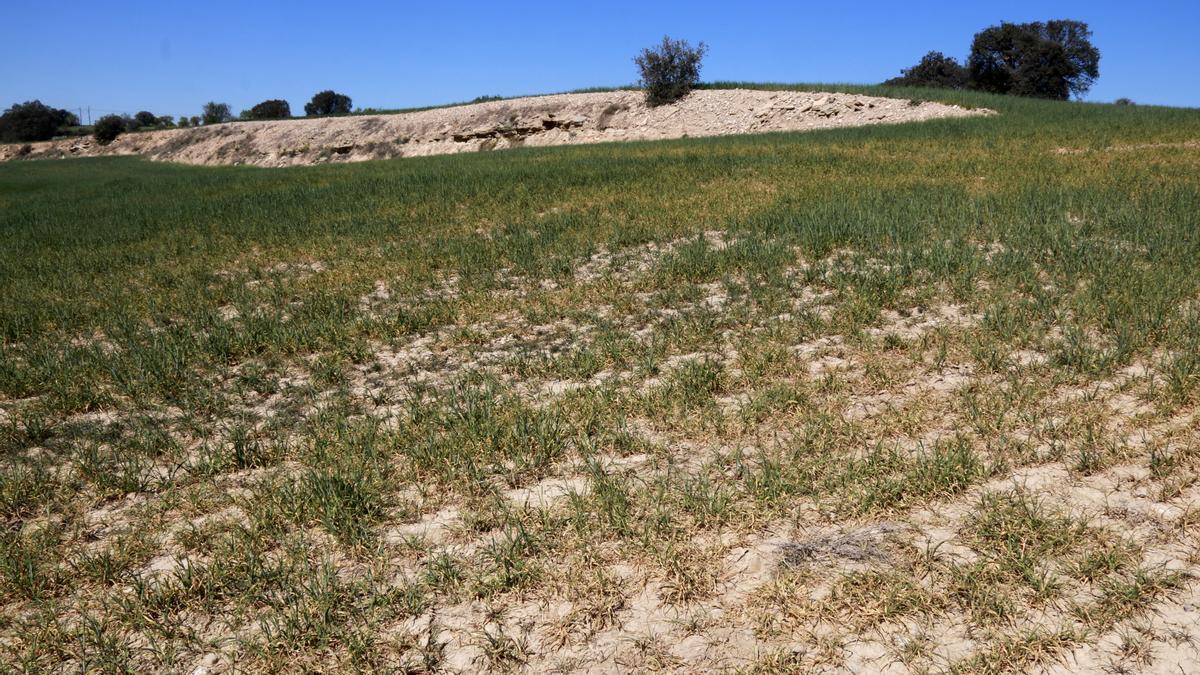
{"x": 170, "y": 57}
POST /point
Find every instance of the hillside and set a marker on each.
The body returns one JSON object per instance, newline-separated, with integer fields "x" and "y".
{"x": 558, "y": 119}
{"x": 906, "y": 397}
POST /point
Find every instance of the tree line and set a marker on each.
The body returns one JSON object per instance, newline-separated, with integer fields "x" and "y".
{"x": 34, "y": 121}
{"x": 1051, "y": 59}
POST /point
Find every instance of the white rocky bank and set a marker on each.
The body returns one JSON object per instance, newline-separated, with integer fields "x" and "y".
{"x": 558, "y": 119}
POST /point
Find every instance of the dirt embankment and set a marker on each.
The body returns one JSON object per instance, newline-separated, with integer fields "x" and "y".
{"x": 559, "y": 119}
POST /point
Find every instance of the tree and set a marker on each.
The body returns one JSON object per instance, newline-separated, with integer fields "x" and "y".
{"x": 184, "y": 122}
{"x": 1054, "y": 59}
{"x": 107, "y": 128}
{"x": 273, "y": 109}
{"x": 327, "y": 102}
{"x": 195, "y": 120}
{"x": 146, "y": 118}
{"x": 670, "y": 70}
{"x": 215, "y": 113}
{"x": 165, "y": 121}
{"x": 33, "y": 121}
{"x": 935, "y": 69}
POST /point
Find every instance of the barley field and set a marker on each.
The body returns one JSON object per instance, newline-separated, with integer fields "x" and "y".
{"x": 918, "y": 398}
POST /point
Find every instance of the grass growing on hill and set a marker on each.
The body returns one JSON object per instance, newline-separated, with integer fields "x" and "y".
{"x": 920, "y": 393}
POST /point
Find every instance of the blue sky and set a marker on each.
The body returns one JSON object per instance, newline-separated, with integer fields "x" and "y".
{"x": 170, "y": 57}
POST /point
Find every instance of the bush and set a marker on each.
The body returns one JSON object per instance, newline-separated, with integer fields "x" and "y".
{"x": 145, "y": 118}
{"x": 935, "y": 69}
{"x": 327, "y": 102}
{"x": 165, "y": 121}
{"x": 1053, "y": 60}
{"x": 1124, "y": 101}
{"x": 670, "y": 70}
{"x": 184, "y": 123}
{"x": 33, "y": 121}
{"x": 195, "y": 121}
{"x": 107, "y": 128}
{"x": 274, "y": 109}
{"x": 215, "y": 113}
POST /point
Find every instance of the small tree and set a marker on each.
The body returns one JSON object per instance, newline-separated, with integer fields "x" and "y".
{"x": 195, "y": 120}
{"x": 273, "y": 109}
{"x": 165, "y": 121}
{"x": 33, "y": 121}
{"x": 146, "y": 118}
{"x": 670, "y": 70}
{"x": 935, "y": 69}
{"x": 184, "y": 122}
{"x": 1054, "y": 59}
{"x": 107, "y": 128}
{"x": 216, "y": 113}
{"x": 327, "y": 102}
{"x": 1124, "y": 101}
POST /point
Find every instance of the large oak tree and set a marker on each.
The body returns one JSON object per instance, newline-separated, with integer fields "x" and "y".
{"x": 1054, "y": 59}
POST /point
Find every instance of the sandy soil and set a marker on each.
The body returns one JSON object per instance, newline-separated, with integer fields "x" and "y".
{"x": 559, "y": 119}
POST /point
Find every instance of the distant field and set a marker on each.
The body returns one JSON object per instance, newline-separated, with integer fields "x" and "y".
{"x": 921, "y": 395}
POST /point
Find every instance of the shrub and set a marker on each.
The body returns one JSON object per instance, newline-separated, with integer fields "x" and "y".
{"x": 670, "y": 70}
{"x": 1124, "y": 101}
{"x": 107, "y": 128}
{"x": 195, "y": 120}
{"x": 145, "y": 118}
{"x": 165, "y": 121}
{"x": 1054, "y": 59}
{"x": 33, "y": 121}
{"x": 327, "y": 102}
{"x": 486, "y": 99}
{"x": 215, "y": 113}
{"x": 273, "y": 109}
{"x": 935, "y": 69}
{"x": 184, "y": 123}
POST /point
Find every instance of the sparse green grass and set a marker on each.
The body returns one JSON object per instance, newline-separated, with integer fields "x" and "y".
{"x": 468, "y": 411}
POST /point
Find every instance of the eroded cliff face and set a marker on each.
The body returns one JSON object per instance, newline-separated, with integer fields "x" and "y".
{"x": 559, "y": 119}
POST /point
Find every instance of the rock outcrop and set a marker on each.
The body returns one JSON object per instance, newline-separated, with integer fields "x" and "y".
{"x": 533, "y": 121}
